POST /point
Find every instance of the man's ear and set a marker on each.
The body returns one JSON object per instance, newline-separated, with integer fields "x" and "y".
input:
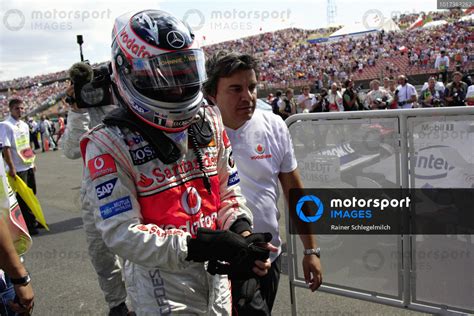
{"x": 212, "y": 99}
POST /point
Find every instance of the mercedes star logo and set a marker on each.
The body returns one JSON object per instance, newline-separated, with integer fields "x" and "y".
{"x": 175, "y": 39}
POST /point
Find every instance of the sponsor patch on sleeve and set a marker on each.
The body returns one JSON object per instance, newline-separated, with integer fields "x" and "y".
{"x": 233, "y": 179}
{"x": 105, "y": 189}
{"x": 116, "y": 207}
{"x": 101, "y": 165}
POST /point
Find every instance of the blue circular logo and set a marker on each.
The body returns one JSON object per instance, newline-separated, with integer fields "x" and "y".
{"x": 302, "y": 215}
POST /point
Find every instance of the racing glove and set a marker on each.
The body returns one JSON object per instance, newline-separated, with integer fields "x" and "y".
{"x": 241, "y": 267}
{"x": 215, "y": 245}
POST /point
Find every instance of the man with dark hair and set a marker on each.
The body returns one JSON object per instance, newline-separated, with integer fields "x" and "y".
{"x": 275, "y": 107}
{"x": 442, "y": 64}
{"x": 19, "y": 157}
{"x": 264, "y": 156}
{"x": 456, "y": 91}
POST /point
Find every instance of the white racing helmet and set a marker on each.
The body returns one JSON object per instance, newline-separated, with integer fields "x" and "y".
{"x": 158, "y": 68}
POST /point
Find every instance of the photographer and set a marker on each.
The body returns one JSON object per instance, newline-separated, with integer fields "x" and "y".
{"x": 456, "y": 91}
{"x": 81, "y": 120}
{"x": 321, "y": 103}
{"x": 377, "y": 98}
{"x": 350, "y": 98}
{"x": 430, "y": 96}
{"x": 405, "y": 95}
{"x": 287, "y": 104}
{"x": 334, "y": 99}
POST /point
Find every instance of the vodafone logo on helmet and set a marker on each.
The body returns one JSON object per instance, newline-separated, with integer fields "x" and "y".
{"x": 191, "y": 201}
{"x": 134, "y": 49}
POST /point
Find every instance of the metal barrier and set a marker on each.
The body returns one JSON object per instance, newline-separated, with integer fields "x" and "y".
{"x": 389, "y": 149}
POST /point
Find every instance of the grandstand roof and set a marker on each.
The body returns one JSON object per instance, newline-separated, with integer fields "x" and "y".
{"x": 359, "y": 29}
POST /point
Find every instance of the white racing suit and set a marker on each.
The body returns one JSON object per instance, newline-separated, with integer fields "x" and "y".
{"x": 106, "y": 263}
{"x": 146, "y": 210}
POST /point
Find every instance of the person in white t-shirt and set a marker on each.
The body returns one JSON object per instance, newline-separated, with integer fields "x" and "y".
{"x": 442, "y": 64}
{"x": 305, "y": 100}
{"x": 263, "y": 153}
{"x": 19, "y": 157}
{"x": 406, "y": 94}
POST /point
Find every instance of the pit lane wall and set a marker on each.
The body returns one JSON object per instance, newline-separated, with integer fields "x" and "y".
{"x": 416, "y": 148}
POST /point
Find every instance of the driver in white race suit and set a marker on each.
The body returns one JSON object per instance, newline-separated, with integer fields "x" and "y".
{"x": 161, "y": 179}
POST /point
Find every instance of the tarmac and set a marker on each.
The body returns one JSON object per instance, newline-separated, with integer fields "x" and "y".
{"x": 65, "y": 282}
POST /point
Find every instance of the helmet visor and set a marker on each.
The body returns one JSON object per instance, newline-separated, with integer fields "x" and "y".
{"x": 168, "y": 71}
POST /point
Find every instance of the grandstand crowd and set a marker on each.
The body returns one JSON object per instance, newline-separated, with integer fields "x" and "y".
{"x": 289, "y": 60}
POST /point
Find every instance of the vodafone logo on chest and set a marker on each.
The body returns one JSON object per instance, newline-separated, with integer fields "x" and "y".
{"x": 101, "y": 165}
{"x": 260, "y": 150}
{"x": 191, "y": 201}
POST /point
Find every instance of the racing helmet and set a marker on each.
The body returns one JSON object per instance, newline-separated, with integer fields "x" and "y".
{"x": 158, "y": 69}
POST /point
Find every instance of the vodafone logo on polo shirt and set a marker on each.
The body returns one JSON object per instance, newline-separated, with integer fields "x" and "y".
{"x": 101, "y": 165}
{"x": 260, "y": 150}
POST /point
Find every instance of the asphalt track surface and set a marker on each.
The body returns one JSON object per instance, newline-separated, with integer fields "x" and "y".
{"x": 64, "y": 280}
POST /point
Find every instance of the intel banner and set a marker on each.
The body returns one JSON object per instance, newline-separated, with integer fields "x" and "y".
{"x": 382, "y": 211}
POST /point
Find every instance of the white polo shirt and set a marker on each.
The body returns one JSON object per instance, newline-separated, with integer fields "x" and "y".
{"x": 262, "y": 148}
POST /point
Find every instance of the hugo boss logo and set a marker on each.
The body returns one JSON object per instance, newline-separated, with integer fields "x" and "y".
{"x": 142, "y": 155}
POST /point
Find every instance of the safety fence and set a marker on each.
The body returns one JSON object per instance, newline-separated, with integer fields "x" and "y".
{"x": 416, "y": 148}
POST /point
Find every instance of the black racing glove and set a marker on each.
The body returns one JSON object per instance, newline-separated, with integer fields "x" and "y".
{"x": 221, "y": 245}
{"x": 241, "y": 267}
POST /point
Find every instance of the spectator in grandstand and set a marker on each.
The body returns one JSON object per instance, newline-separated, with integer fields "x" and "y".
{"x": 253, "y": 131}
{"x": 432, "y": 94}
{"x": 46, "y": 130}
{"x": 305, "y": 100}
{"x": 377, "y": 98}
{"x": 456, "y": 91}
{"x": 19, "y": 157}
{"x": 350, "y": 98}
{"x": 442, "y": 65}
{"x": 405, "y": 95}
{"x": 334, "y": 99}
{"x": 287, "y": 105}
